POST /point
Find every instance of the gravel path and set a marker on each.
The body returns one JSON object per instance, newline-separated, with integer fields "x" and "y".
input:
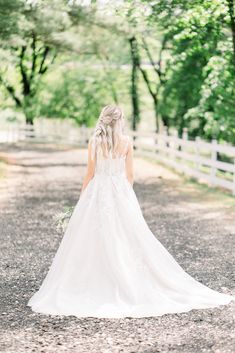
{"x": 195, "y": 224}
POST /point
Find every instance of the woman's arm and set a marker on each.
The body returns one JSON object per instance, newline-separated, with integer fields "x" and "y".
{"x": 90, "y": 169}
{"x": 129, "y": 163}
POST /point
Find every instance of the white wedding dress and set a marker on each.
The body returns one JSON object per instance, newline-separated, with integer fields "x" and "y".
{"x": 110, "y": 265}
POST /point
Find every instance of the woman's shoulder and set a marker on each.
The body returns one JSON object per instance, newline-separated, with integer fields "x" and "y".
{"x": 128, "y": 139}
{"x": 127, "y": 142}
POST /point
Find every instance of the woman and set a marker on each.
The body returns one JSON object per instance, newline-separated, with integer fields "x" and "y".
{"x": 109, "y": 263}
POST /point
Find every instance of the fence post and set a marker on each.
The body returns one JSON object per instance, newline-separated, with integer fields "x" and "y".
{"x": 156, "y": 151}
{"x": 234, "y": 176}
{"x": 184, "y": 138}
{"x": 213, "y": 159}
{"x": 134, "y": 135}
{"x": 164, "y": 140}
{"x": 197, "y": 153}
{"x": 17, "y": 132}
{"x": 87, "y": 135}
{"x": 83, "y": 135}
{"x": 185, "y": 133}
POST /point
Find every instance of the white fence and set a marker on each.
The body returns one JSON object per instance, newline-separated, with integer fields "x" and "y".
{"x": 205, "y": 161}
{"x": 198, "y": 159}
{"x": 45, "y": 130}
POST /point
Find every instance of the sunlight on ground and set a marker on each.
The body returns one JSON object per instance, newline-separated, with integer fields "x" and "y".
{"x": 214, "y": 202}
{"x": 193, "y": 196}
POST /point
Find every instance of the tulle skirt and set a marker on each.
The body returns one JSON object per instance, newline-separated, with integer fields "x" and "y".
{"x": 109, "y": 263}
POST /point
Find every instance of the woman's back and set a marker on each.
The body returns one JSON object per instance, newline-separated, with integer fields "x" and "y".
{"x": 114, "y": 165}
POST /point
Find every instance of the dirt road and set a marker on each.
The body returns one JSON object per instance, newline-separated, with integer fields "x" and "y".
{"x": 195, "y": 224}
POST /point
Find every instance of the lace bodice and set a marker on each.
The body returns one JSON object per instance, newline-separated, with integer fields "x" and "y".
{"x": 112, "y": 166}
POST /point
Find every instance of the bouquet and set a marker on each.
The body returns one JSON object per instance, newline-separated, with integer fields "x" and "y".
{"x": 62, "y": 219}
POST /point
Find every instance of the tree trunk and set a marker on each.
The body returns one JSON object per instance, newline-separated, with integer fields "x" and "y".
{"x": 153, "y": 94}
{"x": 134, "y": 82}
{"x": 155, "y": 102}
{"x": 34, "y": 62}
{"x": 29, "y": 120}
{"x": 29, "y": 129}
{"x": 181, "y": 128}
{"x": 28, "y": 109}
{"x": 232, "y": 23}
{"x": 165, "y": 121}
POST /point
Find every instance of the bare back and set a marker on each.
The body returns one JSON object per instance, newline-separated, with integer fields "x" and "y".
{"x": 123, "y": 164}
{"x": 120, "y": 152}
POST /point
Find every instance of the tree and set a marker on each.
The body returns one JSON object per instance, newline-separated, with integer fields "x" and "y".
{"x": 134, "y": 81}
{"x": 32, "y": 52}
{"x": 197, "y": 32}
{"x": 230, "y": 4}
{"x": 71, "y": 94}
{"x": 154, "y": 88}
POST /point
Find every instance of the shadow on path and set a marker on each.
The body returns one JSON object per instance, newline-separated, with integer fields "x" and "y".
{"x": 183, "y": 219}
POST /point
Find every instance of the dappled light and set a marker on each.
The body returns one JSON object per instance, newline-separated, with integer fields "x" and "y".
{"x": 117, "y": 176}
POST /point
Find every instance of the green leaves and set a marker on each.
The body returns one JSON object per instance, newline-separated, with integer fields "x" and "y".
{"x": 74, "y": 95}
{"x": 186, "y": 61}
{"x": 9, "y": 16}
{"x": 199, "y": 89}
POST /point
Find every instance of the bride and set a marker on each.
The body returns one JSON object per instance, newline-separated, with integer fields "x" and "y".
{"x": 109, "y": 264}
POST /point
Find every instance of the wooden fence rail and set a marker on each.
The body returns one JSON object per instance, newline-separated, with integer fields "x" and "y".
{"x": 205, "y": 161}
{"x": 210, "y": 162}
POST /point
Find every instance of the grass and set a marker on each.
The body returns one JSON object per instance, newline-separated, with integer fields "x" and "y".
{"x": 203, "y": 190}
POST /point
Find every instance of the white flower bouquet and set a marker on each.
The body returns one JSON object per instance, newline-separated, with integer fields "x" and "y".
{"x": 62, "y": 219}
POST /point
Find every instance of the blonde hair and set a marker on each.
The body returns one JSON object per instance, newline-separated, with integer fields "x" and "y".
{"x": 108, "y": 131}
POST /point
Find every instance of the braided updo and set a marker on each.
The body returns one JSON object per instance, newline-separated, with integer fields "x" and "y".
{"x": 108, "y": 131}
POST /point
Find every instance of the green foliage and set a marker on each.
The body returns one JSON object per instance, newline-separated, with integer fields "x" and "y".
{"x": 75, "y": 95}
{"x": 199, "y": 89}
{"x": 65, "y": 59}
{"x": 213, "y": 117}
{"x": 30, "y": 50}
{"x": 9, "y": 16}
